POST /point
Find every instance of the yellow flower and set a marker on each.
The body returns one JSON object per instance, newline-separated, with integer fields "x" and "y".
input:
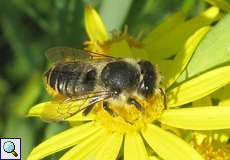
{"x": 212, "y": 145}
{"x": 135, "y": 135}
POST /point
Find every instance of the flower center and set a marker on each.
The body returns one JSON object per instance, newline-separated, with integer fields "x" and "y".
{"x": 212, "y": 149}
{"x": 128, "y": 118}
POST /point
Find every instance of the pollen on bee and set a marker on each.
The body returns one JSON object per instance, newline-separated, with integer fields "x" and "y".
{"x": 128, "y": 118}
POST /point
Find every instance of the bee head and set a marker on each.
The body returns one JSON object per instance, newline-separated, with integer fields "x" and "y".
{"x": 148, "y": 83}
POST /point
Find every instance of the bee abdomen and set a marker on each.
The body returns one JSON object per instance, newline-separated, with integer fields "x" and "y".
{"x": 71, "y": 80}
{"x": 65, "y": 84}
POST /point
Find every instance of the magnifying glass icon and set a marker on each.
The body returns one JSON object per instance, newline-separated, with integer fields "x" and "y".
{"x": 9, "y": 147}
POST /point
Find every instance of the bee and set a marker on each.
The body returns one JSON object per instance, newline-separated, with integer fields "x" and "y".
{"x": 83, "y": 75}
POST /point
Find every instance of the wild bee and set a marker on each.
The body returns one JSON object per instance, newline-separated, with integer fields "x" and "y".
{"x": 79, "y": 74}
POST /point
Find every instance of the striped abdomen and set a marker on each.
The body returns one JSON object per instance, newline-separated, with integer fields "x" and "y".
{"x": 71, "y": 78}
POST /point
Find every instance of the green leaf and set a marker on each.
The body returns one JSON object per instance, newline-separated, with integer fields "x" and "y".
{"x": 18, "y": 127}
{"x": 168, "y": 43}
{"x": 212, "y": 52}
{"x": 4, "y": 86}
{"x": 16, "y": 38}
{"x": 225, "y": 96}
{"x": 1, "y": 126}
{"x": 223, "y": 4}
{"x": 54, "y": 128}
{"x": 188, "y": 6}
{"x": 29, "y": 9}
{"x": 114, "y": 13}
{"x": 28, "y": 94}
{"x": 182, "y": 58}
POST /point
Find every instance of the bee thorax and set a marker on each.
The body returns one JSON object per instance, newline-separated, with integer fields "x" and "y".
{"x": 120, "y": 75}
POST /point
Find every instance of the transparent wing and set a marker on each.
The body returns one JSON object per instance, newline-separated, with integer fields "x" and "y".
{"x": 68, "y": 107}
{"x": 57, "y": 54}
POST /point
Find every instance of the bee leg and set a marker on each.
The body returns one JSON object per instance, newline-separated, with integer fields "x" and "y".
{"x": 165, "y": 98}
{"x": 135, "y": 103}
{"x": 87, "y": 110}
{"x": 109, "y": 110}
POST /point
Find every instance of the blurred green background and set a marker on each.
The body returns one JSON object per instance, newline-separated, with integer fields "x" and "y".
{"x": 29, "y": 27}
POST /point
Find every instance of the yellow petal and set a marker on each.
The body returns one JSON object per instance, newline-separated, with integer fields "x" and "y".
{"x": 200, "y": 118}
{"x": 94, "y": 26}
{"x": 182, "y": 58}
{"x": 223, "y": 4}
{"x": 92, "y": 154}
{"x": 120, "y": 49}
{"x": 167, "y": 145}
{"x": 51, "y": 111}
{"x": 154, "y": 158}
{"x": 111, "y": 148}
{"x": 164, "y": 28}
{"x": 37, "y": 110}
{"x": 83, "y": 150}
{"x": 140, "y": 53}
{"x": 173, "y": 130}
{"x": 63, "y": 140}
{"x": 175, "y": 38}
{"x": 225, "y": 102}
{"x": 134, "y": 148}
{"x": 199, "y": 87}
{"x": 163, "y": 66}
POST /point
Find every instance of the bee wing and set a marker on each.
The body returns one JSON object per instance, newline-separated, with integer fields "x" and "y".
{"x": 67, "y": 107}
{"x": 57, "y": 54}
